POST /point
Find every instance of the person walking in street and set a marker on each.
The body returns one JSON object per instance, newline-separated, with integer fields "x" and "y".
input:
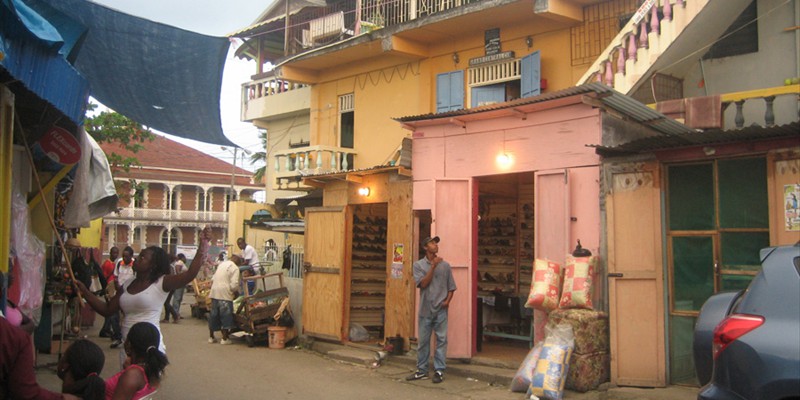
{"x": 224, "y": 288}
{"x": 108, "y": 272}
{"x": 123, "y": 272}
{"x": 142, "y": 298}
{"x": 177, "y": 297}
{"x": 434, "y": 279}
{"x": 168, "y": 310}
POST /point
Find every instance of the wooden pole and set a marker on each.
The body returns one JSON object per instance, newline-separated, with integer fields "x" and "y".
{"x": 46, "y": 207}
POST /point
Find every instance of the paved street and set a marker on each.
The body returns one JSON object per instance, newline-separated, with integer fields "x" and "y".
{"x": 199, "y": 370}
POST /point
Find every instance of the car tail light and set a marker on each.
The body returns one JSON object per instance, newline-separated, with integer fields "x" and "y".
{"x": 733, "y": 327}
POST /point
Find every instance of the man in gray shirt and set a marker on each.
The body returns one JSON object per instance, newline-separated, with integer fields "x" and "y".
{"x": 436, "y": 286}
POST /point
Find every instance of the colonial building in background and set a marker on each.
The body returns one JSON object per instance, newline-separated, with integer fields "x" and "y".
{"x": 175, "y": 192}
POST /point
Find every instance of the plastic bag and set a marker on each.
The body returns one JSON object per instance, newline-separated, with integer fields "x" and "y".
{"x": 552, "y": 367}
{"x": 30, "y": 253}
{"x": 522, "y": 379}
{"x": 545, "y": 286}
{"x": 358, "y": 333}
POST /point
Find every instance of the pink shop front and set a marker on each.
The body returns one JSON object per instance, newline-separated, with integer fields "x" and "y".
{"x": 508, "y": 183}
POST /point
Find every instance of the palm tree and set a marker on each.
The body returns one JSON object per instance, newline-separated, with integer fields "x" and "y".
{"x": 260, "y": 157}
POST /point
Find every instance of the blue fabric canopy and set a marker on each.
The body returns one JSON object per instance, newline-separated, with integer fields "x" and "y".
{"x": 164, "y": 77}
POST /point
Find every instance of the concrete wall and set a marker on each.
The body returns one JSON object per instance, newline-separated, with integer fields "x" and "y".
{"x": 777, "y": 59}
{"x": 280, "y": 132}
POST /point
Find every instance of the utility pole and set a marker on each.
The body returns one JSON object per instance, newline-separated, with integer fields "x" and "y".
{"x": 233, "y": 174}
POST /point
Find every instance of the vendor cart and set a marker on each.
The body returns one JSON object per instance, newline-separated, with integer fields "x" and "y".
{"x": 255, "y": 313}
{"x": 202, "y": 302}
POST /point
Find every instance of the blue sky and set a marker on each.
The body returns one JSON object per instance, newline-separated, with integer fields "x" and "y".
{"x": 215, "y": 18}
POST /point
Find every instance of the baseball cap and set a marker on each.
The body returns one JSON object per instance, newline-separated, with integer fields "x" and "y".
{"x": 429, "y": 239}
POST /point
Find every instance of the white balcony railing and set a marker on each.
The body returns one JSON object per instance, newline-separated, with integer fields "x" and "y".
{"x": 293, "y": 163}
{"x": 152, "y": 214}
{"x": 641, "y": 41}
{"x": 267, "y": 86}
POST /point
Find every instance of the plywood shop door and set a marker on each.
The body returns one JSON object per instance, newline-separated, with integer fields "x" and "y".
{"x": 635, "y": 277}
{"x": 323, "y": 282}
{"x": 551, "y": 207}
{"x": 453, "y": 223}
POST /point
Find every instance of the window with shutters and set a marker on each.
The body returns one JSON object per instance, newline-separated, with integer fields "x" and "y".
{"x": 505, "y": 81}
{"x": 449, "y": 91}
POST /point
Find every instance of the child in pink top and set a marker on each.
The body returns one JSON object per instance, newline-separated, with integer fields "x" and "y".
{"x": 143, "y": 367}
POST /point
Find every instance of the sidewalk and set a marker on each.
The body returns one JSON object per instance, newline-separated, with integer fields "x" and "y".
{"x": 492, "y": 373}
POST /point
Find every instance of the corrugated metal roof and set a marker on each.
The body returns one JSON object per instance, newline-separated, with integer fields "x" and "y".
{"x": 38, "y": 65}
{"x": 607, "y": 96}
{"x": 711, "y": 137}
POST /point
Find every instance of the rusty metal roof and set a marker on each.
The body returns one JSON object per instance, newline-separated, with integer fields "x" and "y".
{"x": 710, "y": 137}
{"x": 606, "y": 96}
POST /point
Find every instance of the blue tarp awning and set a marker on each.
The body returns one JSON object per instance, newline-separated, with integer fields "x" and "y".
{"x": 164, "y": 77}
{"x": 29, "y": 52}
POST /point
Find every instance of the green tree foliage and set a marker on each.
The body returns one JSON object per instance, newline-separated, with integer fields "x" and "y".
{"x": 113, "y": 127}
{"x": 260, "y": 157}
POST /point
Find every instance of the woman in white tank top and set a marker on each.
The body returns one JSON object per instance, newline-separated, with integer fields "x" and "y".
{"x": 142, "y": 298}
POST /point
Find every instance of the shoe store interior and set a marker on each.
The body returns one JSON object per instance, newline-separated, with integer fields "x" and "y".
{"x": 368, "y": 274}
{"x": 505, "y": 261}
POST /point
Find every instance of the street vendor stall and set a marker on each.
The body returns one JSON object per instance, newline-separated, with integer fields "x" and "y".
{"x": 256, "y": 312}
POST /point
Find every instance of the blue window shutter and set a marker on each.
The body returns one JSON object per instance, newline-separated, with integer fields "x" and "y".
{"x": 488, "y": 94}
{"x": 530, "y": 84}
{"x": 449, "y": 91}
{"x": 456, "y": 90}
{"x": 442, "y": 92}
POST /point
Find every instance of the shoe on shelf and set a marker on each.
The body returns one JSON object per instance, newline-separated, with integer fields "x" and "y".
{"x": 225, "y": 341}
{"x": 417, "y": 375}
{"x": 438, "y": 377}
{"x": 116, "y": 343}
{"x": 212, "y": 340}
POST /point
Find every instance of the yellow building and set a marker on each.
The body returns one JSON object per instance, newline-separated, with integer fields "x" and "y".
{"x": 343, "y": 70}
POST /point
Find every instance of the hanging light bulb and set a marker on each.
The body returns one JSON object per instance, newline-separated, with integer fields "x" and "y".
{"x": 504, "y": 160}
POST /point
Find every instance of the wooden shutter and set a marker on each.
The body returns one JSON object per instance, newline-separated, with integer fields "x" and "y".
{"x": 449, "y": 91}
{"x": 531, "y": 75}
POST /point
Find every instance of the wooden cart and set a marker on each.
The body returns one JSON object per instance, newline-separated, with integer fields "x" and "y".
{"x": 202, "y": 302}
{"x": 255, "y": 313}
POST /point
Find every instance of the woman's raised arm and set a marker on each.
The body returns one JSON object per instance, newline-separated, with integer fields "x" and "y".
{"x": 172, "y": 282}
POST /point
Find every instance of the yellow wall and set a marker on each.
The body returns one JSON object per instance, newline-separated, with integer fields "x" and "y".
{"x": 384, "y": 89}
{"x": 242, "y": 210}
{"x": 91, "y": 236}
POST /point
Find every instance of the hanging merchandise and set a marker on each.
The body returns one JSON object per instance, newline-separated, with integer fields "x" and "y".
{"x": 30, "y": 253}
{"x": 94, "y": 192}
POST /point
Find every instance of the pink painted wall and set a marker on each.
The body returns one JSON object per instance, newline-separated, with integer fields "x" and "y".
{"x": 546, "y": 140}
{"x": 453, "y": 224}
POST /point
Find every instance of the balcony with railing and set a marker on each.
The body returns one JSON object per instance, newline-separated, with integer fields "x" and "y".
{"x": 291, "y": 165}
{"x": 161, "y": 215}
{"x": 658, "y": 38}
{"x": 270, "y": 96}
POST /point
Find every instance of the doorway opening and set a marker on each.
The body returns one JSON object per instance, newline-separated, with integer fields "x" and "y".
{"x": 368, "y": 271}
{"x": 505, "y": 261}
